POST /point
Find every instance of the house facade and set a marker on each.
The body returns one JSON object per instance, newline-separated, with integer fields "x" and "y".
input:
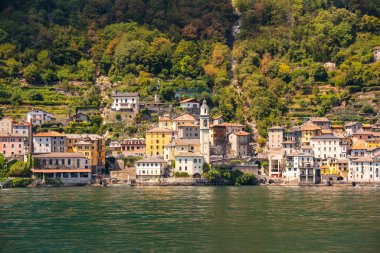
{"x": 38, "y": 117}
{"x": 150, "y": 167}
{"x": 12, "y": 145}
{"x": 6, "y": 125}
{"x": 125, "y": 102}
{"x": 189, "y": 162}
{"x": 275, "y": 137}
{"x": 48, "y": 142}
{"x": 70, "y": 168}
{"x": 239, "y": 144}
{"x": 157, "y": 138}
{"x": 133, "y": 147}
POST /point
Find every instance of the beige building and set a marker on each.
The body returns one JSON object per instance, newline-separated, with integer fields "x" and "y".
{"x": 181, "y": 145}
{"x": 6, "y": 125}
{"x": 275, "y": 137}
{"x": 239, "y": 144}
{"x": 150, "y": 167}
{"x": 188, "y": 131}
{"x": 183, "y": 119}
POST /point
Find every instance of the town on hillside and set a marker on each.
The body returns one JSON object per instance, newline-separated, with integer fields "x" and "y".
{"x": 186, "y": 144}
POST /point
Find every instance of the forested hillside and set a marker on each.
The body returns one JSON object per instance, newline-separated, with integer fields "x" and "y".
{"x": 163, "y": 46}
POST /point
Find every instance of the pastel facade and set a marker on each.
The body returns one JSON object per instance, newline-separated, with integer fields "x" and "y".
{"x": 188, "y": 131}
{"x": 190, "y": 105}
{"x": 70, "y": 168}
{"x": 239, "y": 144}
{"x": 12, "y": 145}
{"x": 49, "y": 142}
{"x": 183, "y": 119}
{"x": 352, "y": 127}
{"x": 275, "y": 137}
{"x": 21, "y": 128}
{"x": 150, "y": 167}
{"x": 92, "y": 146}
{"x": 309, "y": 130}
{"x": 157, "y": 138}
{"x": 180, "y": 146}
{"x": 364, "y": 169}
{"x": 133, "y": 147}
{"x": 125, "y": 102}
{"x": 191, "y": 163}
{"x": 6, "y": 125}
{"x": 322, "y": 122}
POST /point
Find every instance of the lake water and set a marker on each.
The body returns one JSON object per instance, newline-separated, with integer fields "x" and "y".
{"x": 190, "y": 219}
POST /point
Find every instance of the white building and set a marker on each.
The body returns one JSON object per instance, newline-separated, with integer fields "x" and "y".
{"x": 189, "y": 162}
{"x": 322, "y": 122}
{"x": 38, "y": 117}
{"x": 275, "y": 137}
{"x": 364, "y": 169}
{"x": 190, "y": 105}
{"x": 177, "y": 146}
{"x": 150, "y": 167}
{"x": 327, "y": 146}
{"x": 125, "y": 102}
{"x": 376, "y": 54}
{"x": 205, "y": 131}
{"x": 49, "y": 142}
{"x": 182, "y": 120}
{"x": 302, "y": 168}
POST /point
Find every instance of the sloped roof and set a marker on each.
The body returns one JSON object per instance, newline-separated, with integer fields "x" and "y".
{"x": 319, "y": 119}
{"x": 310, "y": 126}
{"x": 241, "y": 133}
{"x": 125, "y": 94}
{"x": 48, "y": 134}
{"x": 151, "y": 160}
{"x": 189, "y": 100}
{"x": 160, "y": 130}
{"x": 189, "y": 154}
{"x": 60, "y": 155}
{"x": 185, "y": 117}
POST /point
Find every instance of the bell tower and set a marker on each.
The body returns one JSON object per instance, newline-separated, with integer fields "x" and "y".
{"x": 205, "y": 131}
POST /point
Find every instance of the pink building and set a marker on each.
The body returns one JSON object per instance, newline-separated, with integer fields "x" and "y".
{"x": 12, "y": 145}
{"x": 133, "y": 147}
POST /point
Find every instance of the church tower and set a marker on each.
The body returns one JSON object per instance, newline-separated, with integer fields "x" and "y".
{"x": 205, "y": 131}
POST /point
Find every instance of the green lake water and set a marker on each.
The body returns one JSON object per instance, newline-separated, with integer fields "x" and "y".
{"x": 190, "y": 219}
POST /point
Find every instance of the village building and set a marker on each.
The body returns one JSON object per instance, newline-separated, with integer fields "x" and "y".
{"x": 275, "y": 137}
{"x": 92, "y": 146}
{"x": 6, "y": 125}
{"x": 303, "y": 168}
{"x": 275, "y": 164}
{"x": 189, "y": 162}
{"x": 367, "y": 127}
{"x": 133, "y": 147}
{"x": 364, "y": 169}
{"x": 38, "y": 117}
{"x": 115, "y": 148}
{"x": 151, "y": 167}
{"x": 181, "y": 145}
{"x": 239, "y": 144}
{"x": 70, "y": 168}
{"x": 190, "y": 105}
{"x": 325, "y": 146}
{"x": 322, "y": 122}
{"x": 294, "y": 134}
{"x": 288, "y": 147}
{"x": 337, "y": 129}
{"x": 12, "y": 145}
{"x": 309, "y": 130}
{"x": 125, "y": 101}
{"x": 188, "y": 131}
{"x": 183, "y": 119}
{"x": 48, "y": 142}
{"x": 352, "y": 127}
{"x": 157, "y": 138}
{"x": 79, "y": 117}
{"x": 165, "y": 121}
{"x": 21, "y": 127}
{"x": 360, "y": 137}
{"x": 217, "y": 120}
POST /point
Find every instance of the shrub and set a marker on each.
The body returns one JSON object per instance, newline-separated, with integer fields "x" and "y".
{"x": 21, "y": 182}
{"x": 181, "y": 174}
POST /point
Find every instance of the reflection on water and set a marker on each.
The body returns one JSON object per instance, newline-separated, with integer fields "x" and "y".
{"x": 190, "y": 219}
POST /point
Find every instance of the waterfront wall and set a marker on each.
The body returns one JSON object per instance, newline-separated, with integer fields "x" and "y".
{"x": 173, "y": 182}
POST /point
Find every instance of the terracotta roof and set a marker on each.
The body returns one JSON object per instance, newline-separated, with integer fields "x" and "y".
{"x": 189, "y": 100}
{"x": 288, "y": 142}
{"x": 48, "y": 134}
{"x": 319, "y": 119}
{"x": 276, "y": 128}
{"x": 181, "y": 142}
{"x": 349, "y": 124}
{"x": 189, "y": 154}
{"x": 21, "y": 123}
{"x": 337, "y": 126}
{"x": 151, "y": 160}
{"x": 160, "y": 130}
{"x": 306, "y": 147}
{"x": 4, "y": 134}
{"x": 228, "y": 124}
{"x": 309, "y": 126}
{"x": 59, "y": 155}
{"x": 241, "y": 133}
{"x": 326, "y": 131}
{"x": 185, "y": 116}
{"x": 360, "y": 132}
{"x": 83, "y": 143}
{"x": 188, "y": 125}
{"x": 367, "y": 126}
{"x": 83, "y": 136}
{"x": 358, "y": 147}
{"x": 164, "y": 118}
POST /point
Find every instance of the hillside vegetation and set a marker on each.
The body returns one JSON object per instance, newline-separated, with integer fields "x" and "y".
{"x": 52, "y": 51}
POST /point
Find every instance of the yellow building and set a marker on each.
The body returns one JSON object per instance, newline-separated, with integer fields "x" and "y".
{"x": 309, "y": 130}
{"x": 91, "y": 145}
{"x": 157, "y": 138}
{"x": 166, "y": 122}
{"x": 329, "y": 167}
{"x": 372, "y": 143}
